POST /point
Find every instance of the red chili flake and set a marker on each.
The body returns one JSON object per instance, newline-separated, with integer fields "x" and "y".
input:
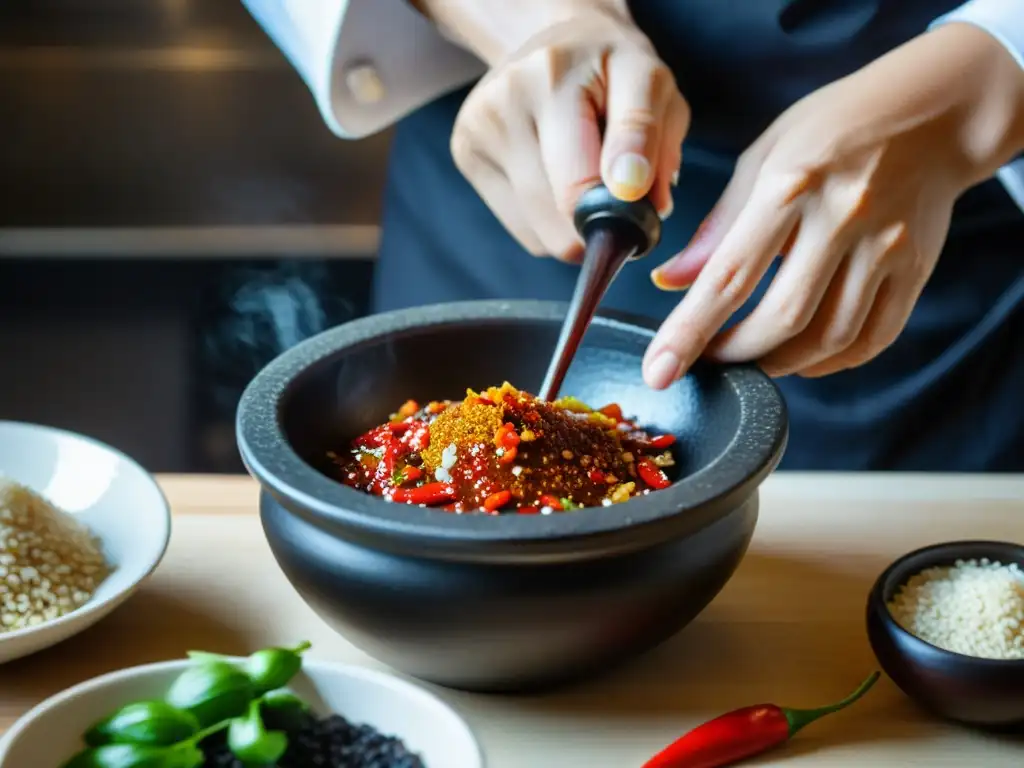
{"x": 431, "y": 493}
{"x": 661, "y": 442}
{"x": 508, "y": 456}
{"x": 651, "y": 474}
{"x": 496, "y": 501}
{"x": 612, "y": 411}
{"x": 528, "y": 510}
{"x": 485, "y": 401}
{"x": 547, "y": 500}
{"x": 596, "y": 476}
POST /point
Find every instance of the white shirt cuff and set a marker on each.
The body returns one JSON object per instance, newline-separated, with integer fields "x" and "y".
{"x": 368, "y": 63}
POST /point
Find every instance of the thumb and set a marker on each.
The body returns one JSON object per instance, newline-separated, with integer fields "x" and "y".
{"x": 638, "y": 87}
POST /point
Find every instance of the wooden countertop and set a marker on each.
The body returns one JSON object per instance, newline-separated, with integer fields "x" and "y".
{"x": 788, "y": 628}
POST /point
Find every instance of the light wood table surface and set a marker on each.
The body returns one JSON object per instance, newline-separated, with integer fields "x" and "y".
{"x": 788, "y": 628}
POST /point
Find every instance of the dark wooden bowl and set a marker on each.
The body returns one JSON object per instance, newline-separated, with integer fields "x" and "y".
{"x": 987, "y": 693}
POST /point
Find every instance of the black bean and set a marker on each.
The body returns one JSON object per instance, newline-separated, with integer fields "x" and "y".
{"x": 330, "y": 742}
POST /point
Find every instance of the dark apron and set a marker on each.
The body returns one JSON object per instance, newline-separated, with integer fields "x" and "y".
{"x": 947, "y": 396}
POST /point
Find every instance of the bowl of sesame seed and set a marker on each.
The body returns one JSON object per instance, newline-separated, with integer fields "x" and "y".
{"x": 81, "y": 526}
{"x": 946, "y": 623}
{"x": 514, "y": 601}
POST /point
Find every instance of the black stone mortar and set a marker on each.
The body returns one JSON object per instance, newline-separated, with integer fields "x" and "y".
{"x": 513, "y": 602}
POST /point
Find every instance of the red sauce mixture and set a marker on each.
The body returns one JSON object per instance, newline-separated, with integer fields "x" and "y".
{"x": 503, "y": 450}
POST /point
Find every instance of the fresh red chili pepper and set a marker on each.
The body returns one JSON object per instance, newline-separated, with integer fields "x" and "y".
{"x": 651, "y": 474}
{"x": 612, "y": 411}
{"x": 661, "y": 442}
{"x": 744, "y": 733}
{"x": 374, "y": 438}
{"x": 431, "y": 493}
{"x": 547, "y": 500}
{"x": 496, "y": 501}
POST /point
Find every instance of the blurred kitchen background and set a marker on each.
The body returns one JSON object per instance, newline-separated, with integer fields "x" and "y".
{"x": 174, "y": 213}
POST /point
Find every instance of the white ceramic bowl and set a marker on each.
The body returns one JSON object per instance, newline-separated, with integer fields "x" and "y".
{"x": 51, "y": 733}
{"x": 114, "y": 496}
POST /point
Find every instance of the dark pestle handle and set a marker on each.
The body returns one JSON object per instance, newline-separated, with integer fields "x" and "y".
{"x": 637, "y": 224}
{"x": 614, "y": 232}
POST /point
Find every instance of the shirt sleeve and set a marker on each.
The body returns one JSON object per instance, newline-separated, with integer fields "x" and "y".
{"x": 1004, "y": 20}
{"x": 368, "y": 63}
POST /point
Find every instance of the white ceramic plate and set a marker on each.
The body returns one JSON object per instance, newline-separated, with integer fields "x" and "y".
{"x": 51, "y": 733}
{"x": 106, "y": 490}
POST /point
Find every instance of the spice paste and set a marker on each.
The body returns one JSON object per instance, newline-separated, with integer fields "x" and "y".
{"x": 504, "y": 450}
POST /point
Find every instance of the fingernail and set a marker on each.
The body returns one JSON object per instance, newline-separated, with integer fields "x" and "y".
{"x": 630, "y": 173}
{"x": 663, "y": 284}
{"x": 667, "y": 210}
{"x": 663, "y": 369}
{"x": 675, "y": 178}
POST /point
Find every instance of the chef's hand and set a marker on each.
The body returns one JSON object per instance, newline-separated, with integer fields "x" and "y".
{"x": 854, "y": 186}
{"x": 529, "y": 135}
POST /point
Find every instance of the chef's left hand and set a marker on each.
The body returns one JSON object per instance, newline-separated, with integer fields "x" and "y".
{"x": 854, "y": 185}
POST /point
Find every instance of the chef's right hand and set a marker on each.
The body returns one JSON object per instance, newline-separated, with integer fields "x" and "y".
{"x": 529, "y": 135}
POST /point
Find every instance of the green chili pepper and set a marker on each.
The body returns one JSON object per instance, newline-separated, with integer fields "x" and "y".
{"x": 213, "y": 691}
{"x": 145, "y": 722}
{"x": 289, "y": 710}
{"x": 205, "y": 656}
{"x": 273, "y": 667}
{"x": 252, "y": 743}
{"x": 185, "y": 755}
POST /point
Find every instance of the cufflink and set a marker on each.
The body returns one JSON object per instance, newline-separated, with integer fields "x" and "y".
{"x": 364, "y": 83}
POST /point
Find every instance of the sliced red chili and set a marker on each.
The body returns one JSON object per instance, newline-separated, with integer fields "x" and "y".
{"x": 408, "y": 474}
{"x": 409, "y": 407}
{"x": 596, "y": 476}
{"x": 661, "y": 442}
{"x": 431, "y": 493}
{"x": 507, "y": 437}
{"x": 399, "y": 427}
{"x": 651, "y": 474}
{"x": 496, "y": 501}
{"x": 508, "y": 456}
{"x": 547, "y": 500}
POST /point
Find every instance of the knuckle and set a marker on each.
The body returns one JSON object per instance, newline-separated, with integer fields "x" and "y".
{"x": 888, "y": 246}
{"x": 793, "y": 314}
{"x": 838, "y": 337}
{"x": 732, "y": 283}
{"x": 848, "y": 206}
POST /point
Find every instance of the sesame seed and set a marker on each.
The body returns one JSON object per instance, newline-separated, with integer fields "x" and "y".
{"x": 50, "y": 563}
